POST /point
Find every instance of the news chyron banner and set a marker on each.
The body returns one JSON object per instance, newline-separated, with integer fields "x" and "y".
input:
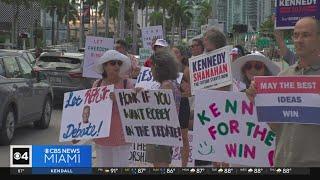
{"x": 52, "y": 159}
{"x": 290, "y": 99}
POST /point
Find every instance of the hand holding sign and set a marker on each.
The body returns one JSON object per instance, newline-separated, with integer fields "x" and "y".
{"x": 251, "y": 91}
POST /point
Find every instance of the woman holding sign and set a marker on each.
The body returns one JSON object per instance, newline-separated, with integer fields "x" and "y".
{"x": 256, "y": 64}
{"x": 164, "y": 71}
{"x": 184, "y": 110}
{"x": 113, "y": 151}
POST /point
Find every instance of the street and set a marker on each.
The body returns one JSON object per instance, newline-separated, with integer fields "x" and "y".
{"x": 28, "y": 135}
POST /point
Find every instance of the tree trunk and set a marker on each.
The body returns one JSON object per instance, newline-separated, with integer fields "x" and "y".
{"x": 164, "y": 23}
{"x": 14, "y": 34}
{"x": 32, "y": 26}
{"x": 52, "y": 26}
{"x": 57, "y": 39}
{"x": 179, "y": 31}
{"x": 146, "y": 17}
{"x": 121, "y": 21}
{"x": 172, "y": 31}
{"x": 106, "y": 17}
{"x": 67, "y": 22}
{"x": 115, "y": 24}
{"x": 96, "y": 19}
{"x": 81, "y": 34}
{"x": 142, "y": 18}
{"x": 134, "y": 34}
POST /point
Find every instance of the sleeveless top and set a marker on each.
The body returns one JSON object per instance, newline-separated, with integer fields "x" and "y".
{"x": 116, "y": 135}
{"x": 175, "y": 90}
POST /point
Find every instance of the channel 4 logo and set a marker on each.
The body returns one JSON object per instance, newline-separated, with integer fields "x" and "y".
{"x": 21, "y": 156}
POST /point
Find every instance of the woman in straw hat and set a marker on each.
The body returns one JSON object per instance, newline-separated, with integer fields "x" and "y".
{"x": 113, "y": 151}
{"x": 247, "y": 67}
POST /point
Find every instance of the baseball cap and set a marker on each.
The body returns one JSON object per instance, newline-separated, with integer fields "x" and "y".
{"x": 161, "y": 42}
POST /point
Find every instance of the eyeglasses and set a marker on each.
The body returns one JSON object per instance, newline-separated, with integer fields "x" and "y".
{"x": 258, "y": 66}
{"x": 113, "y": 63}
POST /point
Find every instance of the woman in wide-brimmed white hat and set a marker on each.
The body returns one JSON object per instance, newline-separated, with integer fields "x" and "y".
{"x": 256, "y": 64}
{"x": 113, "y": 151}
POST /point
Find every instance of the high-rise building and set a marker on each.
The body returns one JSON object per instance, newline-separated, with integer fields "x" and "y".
{"x": 237, "y": 13}
{"x": 265, "y": 10}
{"x": 252, "y": 15}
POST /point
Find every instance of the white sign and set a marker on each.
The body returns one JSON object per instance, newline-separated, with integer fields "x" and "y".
{"x": 211, "y": 70}
{"x": 86, "y": 114}
{"x": 150, "y": 32}
{"x": 145, "y": 79}
{"x": 137, "y": 155}
{"x": 144, "y": 54}
{"x": 95, "y": 47}
{"x": 176, "y": 156}
{"x": 149, "y": 117}
{"x": 226, "y": 129}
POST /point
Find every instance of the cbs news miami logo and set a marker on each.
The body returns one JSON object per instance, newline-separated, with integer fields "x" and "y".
{"x": 50, "y": 156}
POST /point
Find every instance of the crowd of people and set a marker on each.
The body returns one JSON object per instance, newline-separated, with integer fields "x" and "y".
{"x": 294, "y": 146}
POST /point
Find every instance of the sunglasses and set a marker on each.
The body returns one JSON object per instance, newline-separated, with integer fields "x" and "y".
{"x": 258, "y": 66}
{"x": 113, "y": 63}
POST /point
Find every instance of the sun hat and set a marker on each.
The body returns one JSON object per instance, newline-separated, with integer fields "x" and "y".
{"x": 234, "y": 51}
{"x": 112, "y": 55}
{"x": 238, "y": 64}
{"x": 161, "y": 42}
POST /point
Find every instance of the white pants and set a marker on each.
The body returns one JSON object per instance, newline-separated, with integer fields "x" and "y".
{"x": 112, "y": 156}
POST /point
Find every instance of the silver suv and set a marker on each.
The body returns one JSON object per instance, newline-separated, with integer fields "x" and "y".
{"x": 63, "y": 71}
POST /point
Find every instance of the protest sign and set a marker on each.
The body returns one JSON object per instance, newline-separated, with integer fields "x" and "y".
{"x": 289, "y": 12}
{"x": 149, "y": 117}
{"x": 144, "y": 54}
{"x": 288, "y": 99}
{"x": 211, "y": 70}
{"x": 95, "y": 47}
{"x": 86, "y": 114}
{"x": 226, "y": 130}
{"x": 150, "y": 32}
{"x": 176, "y": 156}
{"x": 145, "y": 79}
{"x": 137, "y": 154}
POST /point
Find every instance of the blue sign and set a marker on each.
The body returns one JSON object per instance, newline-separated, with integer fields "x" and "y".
{"x": 289, "y": 12}
{"x": 61, "y": 156}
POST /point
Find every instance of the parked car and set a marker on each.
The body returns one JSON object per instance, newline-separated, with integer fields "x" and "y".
{"x": 24, "y": 97}
{"x": 64, "y": 72}
{"x": 25, "y": 53}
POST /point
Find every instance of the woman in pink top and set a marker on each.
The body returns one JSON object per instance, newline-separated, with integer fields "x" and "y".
{"x": 113, "y": 151}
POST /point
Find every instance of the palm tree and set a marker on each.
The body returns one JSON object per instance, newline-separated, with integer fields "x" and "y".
{"x": 164, "y": 4}
{"x": 113, "y": 7}
{"x": 205, "y": 11}
{"x": 72, "y": 14}
{"x": 121, "y": 18}
{"x": 54, "y": 7}
{"x": 135, "y": 31}
{"x": 155, "y": 18}
{"x": 15, "y": 7}
{"x": 180, "y": 16}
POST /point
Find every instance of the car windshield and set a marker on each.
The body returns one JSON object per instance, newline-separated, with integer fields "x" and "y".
{"x": 55, "y": 62}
